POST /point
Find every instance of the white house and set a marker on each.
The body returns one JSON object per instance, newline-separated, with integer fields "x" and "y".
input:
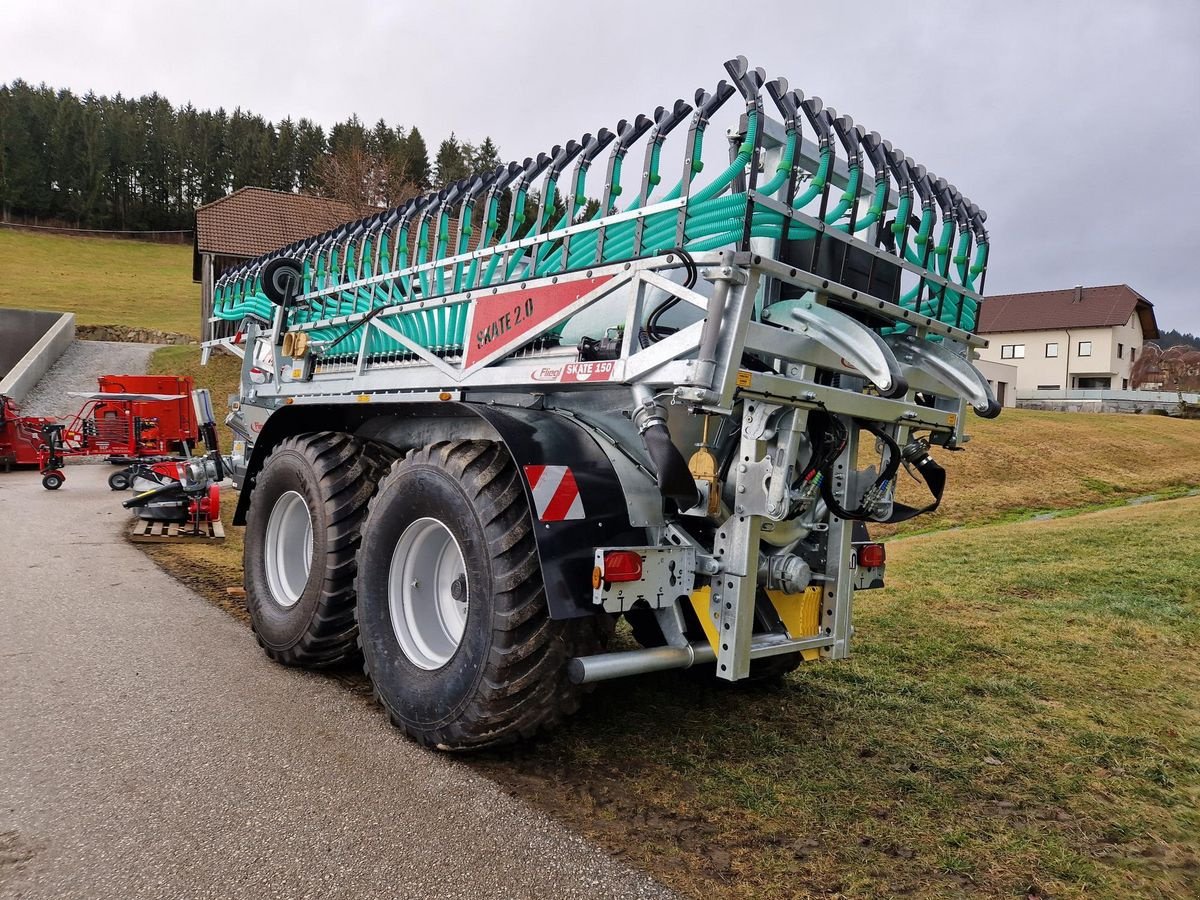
{"x": 1074, "y": 339}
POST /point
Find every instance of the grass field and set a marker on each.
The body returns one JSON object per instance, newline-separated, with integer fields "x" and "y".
{"x": 102, "y": 280}
{"x": 1021, "y": 716}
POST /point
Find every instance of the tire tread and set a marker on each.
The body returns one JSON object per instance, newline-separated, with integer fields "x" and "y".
{"x": 349, "y": 469}
{"x": 523, "y": 688}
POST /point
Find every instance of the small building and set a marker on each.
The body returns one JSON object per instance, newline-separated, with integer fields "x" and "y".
{"x": 250, "y": 222}
{"x": 1077, "y": 339}
{"x": 1002, "y": 378}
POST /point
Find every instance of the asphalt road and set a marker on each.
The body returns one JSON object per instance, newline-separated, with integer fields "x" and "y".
{"x": 149, "y": 749}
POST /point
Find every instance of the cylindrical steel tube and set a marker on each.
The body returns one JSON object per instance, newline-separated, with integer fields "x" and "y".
{"x": 585, "y": 669}
{"x": 707, "y": 356}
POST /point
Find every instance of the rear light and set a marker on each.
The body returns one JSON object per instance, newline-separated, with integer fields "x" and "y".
{"x": 622, "y": 565}
{"x": 871, "y": 556}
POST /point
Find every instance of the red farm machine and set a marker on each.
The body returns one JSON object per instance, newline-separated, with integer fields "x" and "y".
{"x": 131, "y": 419}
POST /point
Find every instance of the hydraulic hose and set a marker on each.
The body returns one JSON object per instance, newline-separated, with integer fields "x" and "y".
{"x": 674, "y": 478}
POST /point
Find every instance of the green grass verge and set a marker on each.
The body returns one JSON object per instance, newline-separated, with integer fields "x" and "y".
{"x": 102, "y": 280}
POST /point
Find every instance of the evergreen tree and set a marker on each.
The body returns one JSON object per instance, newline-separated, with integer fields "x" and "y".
{"x": 417, "y": 171}
{"x": 140, "y": 163}
{"x": 347, "y": 135}
{"x": 250, "y": 150}
{"x": 310, "y": 147}
{"x": 452, "y": 162}
{"x": 485, "y": 158}
{"x": 283, "y": 157}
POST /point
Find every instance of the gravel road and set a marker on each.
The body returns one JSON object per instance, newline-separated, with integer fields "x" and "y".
{"x": 77, "y": 370}
{"x": 148, "y": 749}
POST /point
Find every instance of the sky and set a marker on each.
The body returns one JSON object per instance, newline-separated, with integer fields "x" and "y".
{"x": 1075, "y": 125}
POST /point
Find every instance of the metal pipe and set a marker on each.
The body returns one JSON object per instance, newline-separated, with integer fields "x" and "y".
{"x": 603, "y": 666}
{"x": 706, "y": 362}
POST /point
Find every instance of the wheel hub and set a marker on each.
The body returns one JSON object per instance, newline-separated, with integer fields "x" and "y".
{"x": 427, "y": 593}
{"x": 289, "y": 548}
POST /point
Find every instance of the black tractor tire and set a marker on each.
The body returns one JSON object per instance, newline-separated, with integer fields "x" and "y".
{"x": 119, "y": 481}
{"x": 506, "y": 678}
{"x": 52, "y": 481}
{"x": 335, "y": 474}
{"x": 646, "y": 631}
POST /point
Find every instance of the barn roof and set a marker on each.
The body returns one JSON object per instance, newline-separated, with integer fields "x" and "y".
{"x": 252, "y": 221}
{"x": 1077, "y": 307}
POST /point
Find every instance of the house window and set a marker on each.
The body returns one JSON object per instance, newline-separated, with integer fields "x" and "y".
{"x": 1120, "y": 351}
{"x": 1012, "y": 351}
{"x": 1132, "y": 354}
{"x": 1085, "y": 348}
{"x": 1047, "y": 387}
{"x": 1124, "y": 384}
{"x": 1051, "y": 350}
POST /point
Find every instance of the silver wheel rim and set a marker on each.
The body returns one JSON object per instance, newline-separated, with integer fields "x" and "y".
{"x": 289, "y": 548}
{"x": 427, "y": 593}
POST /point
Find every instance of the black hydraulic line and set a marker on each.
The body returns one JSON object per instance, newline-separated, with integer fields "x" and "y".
{"x": 789, "y": 103}
{"x": 693, "y": 275}
{"x": 821, "y": 120}
{"x": 138, "y": 500}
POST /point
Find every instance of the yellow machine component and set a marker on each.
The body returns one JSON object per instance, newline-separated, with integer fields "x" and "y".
{"x": 295, "y": 344}
{"x": 701, "y": 600}
{"x": 801, "y": 615}
{"x": 703, "y": 466}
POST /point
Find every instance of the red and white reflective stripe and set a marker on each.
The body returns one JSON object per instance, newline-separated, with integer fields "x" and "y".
{"x": 555, "y": 493}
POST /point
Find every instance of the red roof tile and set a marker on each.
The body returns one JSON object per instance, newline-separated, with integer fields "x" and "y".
{"x": 252, "y": 221}
{"x": 1089, "y": 307}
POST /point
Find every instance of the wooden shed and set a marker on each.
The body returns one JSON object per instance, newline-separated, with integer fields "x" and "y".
{"x": 248, "y": 223}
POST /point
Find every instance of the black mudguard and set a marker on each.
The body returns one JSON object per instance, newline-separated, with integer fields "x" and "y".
{"x": 566, "y": 547}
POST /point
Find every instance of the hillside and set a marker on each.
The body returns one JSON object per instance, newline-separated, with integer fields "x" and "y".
{"x": 1025, "y": 462}
{"x": 103, "y": 281}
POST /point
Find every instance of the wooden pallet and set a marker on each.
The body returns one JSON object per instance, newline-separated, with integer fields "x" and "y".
{"x": 162, "y": 532}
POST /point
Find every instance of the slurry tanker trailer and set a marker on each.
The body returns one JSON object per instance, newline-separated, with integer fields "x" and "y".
{"x": 478, "y": 430}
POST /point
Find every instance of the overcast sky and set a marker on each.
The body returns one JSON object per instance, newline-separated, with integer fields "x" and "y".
{"x": 1076, "y": 125}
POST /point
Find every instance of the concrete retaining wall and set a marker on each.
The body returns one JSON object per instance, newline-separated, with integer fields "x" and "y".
{"x": 1110, "y": 401}
{"x": 31, "y": 341}
{"x": 1099, "y": 406}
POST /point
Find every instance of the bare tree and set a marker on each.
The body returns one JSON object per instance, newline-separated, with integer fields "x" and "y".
{"x": 364, "y": 179}
{"x": 1175, "y": 369}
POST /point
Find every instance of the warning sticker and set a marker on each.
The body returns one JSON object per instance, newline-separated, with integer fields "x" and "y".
{"x": 555, "y": 493}
{"x": 504, "y": 321}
